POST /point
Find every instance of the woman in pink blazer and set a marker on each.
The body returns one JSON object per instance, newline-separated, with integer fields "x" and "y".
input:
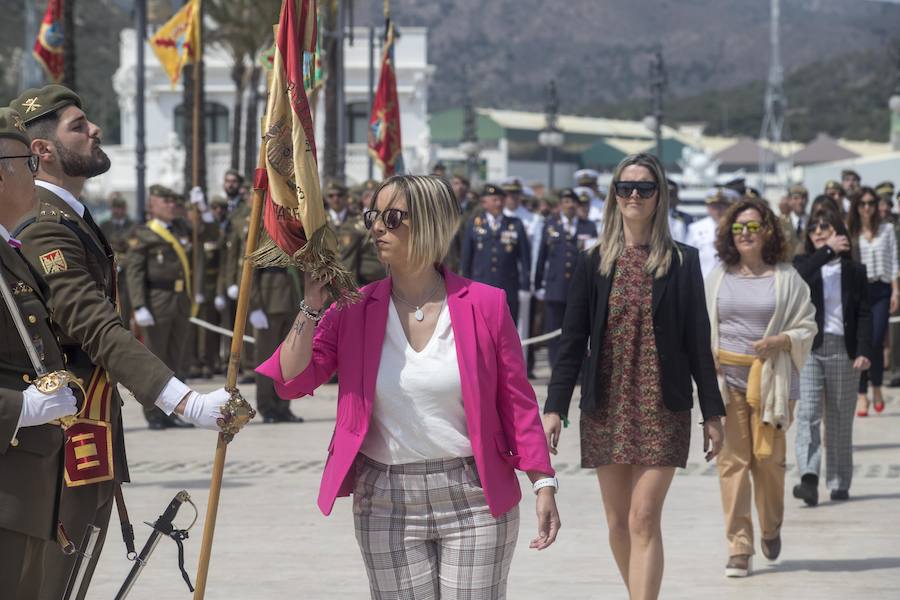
{"x": 434, "y": 410}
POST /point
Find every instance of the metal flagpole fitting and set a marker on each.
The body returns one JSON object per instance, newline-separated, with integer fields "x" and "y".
{"x": 236, "y": 413}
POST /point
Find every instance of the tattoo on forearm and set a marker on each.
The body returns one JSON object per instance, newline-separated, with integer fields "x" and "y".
{"x": 299, "y": 325}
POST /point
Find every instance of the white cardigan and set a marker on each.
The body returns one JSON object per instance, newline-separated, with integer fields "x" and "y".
{"x": 795, "y": 316}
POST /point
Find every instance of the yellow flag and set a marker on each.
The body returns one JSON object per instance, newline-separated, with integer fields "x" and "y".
{"x": 176, "y": 42}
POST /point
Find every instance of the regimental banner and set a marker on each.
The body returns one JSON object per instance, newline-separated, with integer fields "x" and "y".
{"x": 385, "y": 145}
{"x": 48, "y": 47}
{"x": 175, "y": 43}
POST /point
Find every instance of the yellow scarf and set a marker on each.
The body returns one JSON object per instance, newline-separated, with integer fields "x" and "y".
{"x": 763, "y": 433}
{"x": 160, "y": 229}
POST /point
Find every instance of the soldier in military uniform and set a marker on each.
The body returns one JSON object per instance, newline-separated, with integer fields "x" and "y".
{"x": 31, "y": 448}
{"x": 562, "y": 239}
{"x": 467, "y": 210}
{"x": 235, "y": 238}
{"x": 355, "y": 247}
{"x": 496, "y": 251}
{"x": 63, "y": 243}
{"x": 160, "y": 287}
{"x": 117, "y": 229}
{"x": 701, "y": 234}
{"x": 213, "y": 240}
{"x": 794, "y": 224}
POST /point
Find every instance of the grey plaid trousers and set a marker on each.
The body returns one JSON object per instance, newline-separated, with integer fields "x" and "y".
{"x": 827, "y": 379}
{"x": 425, "y": 531}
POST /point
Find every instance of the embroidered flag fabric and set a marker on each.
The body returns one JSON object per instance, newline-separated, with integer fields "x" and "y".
{"x": 385, "y": 145}
{"x": 48, "y": 47}
{"x": 176, "y": 42}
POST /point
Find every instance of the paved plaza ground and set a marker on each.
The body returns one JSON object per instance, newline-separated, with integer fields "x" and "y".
{"x": 272, "y": 542}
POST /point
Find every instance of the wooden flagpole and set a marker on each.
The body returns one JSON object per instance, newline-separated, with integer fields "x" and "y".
{"x": 234, "y": 363}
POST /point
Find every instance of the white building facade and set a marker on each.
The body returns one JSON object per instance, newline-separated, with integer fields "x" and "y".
{"x": 165, "y": 154}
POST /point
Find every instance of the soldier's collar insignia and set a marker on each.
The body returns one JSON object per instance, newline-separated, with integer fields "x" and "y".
{"x": 31, "y": 105}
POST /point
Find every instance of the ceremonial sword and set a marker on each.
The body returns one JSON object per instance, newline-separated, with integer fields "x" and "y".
{"x": 83, "y": 560}
{"x": 162, "y": 526}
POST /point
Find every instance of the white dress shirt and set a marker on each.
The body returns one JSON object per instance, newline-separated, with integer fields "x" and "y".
{"x": 831, "y": 291}
{"x": 65, "y": 194}
{"x": 702, "y": 236}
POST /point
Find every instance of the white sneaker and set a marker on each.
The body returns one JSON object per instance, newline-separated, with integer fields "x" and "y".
{"x": 739, "y": 565}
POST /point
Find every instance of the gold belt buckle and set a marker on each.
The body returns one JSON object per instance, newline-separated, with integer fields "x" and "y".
{"x": 179, "y": 286}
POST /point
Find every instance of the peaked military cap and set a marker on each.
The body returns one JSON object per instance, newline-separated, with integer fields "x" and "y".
{"x": 12, "y": 126}
{"x": 161, "y": 191}
{"x": 491, "y": 189}
{"x": 586, "y": 177}
{"x": 512, "y": 185}
{"x": 35, "y": 103}
{"x": 831, "y": 184}
{"x": 798, "y": 189}
{"x": 885, "y": 188}
{"x": 335, "y": 187}
{"x": 570, "y": 193}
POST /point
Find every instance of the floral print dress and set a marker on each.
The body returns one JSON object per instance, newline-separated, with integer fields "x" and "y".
{"x": 632, "y": 426}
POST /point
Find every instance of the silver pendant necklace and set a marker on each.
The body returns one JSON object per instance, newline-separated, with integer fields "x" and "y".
{"x": 420, "y": 316}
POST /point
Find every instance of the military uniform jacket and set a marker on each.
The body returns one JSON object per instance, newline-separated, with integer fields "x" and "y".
{"x": 78, "y": 265}
{"x": 558, "y": 254}
{"x": 117, "y": 235}
{"x": 235, "y": 237}
{"x": 500, "y": 258}
{"x": 156, "y": 279}
{"x": 356, "y": 250}
{"x": 30, "y": 472}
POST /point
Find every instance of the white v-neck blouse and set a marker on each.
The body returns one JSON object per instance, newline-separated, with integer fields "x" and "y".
{"x": 418, "y": 412}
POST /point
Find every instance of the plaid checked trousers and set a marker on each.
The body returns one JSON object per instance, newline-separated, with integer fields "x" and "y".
{"x": 827, "y": 379}
{"x": 426, "y": 532}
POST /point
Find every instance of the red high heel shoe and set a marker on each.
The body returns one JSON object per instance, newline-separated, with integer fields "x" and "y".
{"x": 879, "y": 407}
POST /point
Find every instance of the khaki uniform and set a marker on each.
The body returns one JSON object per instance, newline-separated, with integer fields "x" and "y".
{"x": 157, "y": 281}
{"x": 356, "y": 249}
{"x": 274, "y": 293}
{"x": 796, "y": 241}
{"x": 31, "y": 471}
{"x": 117, "y": 235}
{"x": 209, "y": 344}
{"x": 235, "y": 238}
{"x": 73, "y": 256}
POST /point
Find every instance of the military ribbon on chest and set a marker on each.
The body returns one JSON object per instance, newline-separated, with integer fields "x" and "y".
{"x": 159, "y": 229}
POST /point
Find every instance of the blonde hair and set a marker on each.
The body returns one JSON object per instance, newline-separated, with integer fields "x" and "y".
{"x": 612, "y": 240}
{"x": 433, "y": 215}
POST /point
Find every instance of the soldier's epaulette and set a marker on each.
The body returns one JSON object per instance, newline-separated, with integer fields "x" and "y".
{"x": 47, "y": 213}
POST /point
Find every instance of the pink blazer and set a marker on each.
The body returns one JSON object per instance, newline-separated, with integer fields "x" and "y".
{"x": 501, "y": 409}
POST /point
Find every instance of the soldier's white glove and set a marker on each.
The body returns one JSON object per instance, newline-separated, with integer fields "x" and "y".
{"x": 219, "y": 302}
{"x": 540, "y": 294}
{"x": 203, "y": 409}
{"x": 524, "y": 296}
{"x": 199, "y": 298}
{"x": 143, "y": 317}
{"x": 197, "y": 199}
{"x": 232, "y": 291}
{"x": 39, "y": 408}
{"x": 259, "y": 320}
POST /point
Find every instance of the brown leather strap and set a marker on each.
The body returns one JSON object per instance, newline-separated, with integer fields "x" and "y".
{"x": 127, "y": 529}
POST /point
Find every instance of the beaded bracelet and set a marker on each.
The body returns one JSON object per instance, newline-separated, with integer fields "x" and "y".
{"x": 313, "y": 315}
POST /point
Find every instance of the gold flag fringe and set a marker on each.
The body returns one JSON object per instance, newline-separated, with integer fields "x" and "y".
{"x": 314, "y": 258}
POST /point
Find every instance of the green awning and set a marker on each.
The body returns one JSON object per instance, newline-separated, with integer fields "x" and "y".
{"x": 447, "y": 127}
{"x": 601, "y": 156}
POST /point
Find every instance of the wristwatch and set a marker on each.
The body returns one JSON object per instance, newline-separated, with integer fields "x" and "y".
{"x": 546, "y": 482}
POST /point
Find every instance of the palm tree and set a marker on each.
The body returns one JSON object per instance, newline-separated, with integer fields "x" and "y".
{"x": 244, "y": 29}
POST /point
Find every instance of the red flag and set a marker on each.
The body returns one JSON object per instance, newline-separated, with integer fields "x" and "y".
{"x": 48, "y": 47}
{"x": 385, "y": 146}
{"x": 294, "y": 214}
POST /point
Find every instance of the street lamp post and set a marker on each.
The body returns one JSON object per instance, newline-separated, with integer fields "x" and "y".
{"x": 658, "y": 82}
{"x": 469, "y": 144}
{"x": 551, "y": 137}
{"x": 894, "y": 105}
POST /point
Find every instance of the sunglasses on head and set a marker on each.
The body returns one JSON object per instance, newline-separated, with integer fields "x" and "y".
{"x": 34, "y": 161}
{"x": 645, "y": 189}
{"x": 819, "y": 226}
{"x": 392, "y": 217}
{"x": 741, "y": 228}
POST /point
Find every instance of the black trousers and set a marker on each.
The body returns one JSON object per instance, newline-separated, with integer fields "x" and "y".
{"x": 553, "y": 319}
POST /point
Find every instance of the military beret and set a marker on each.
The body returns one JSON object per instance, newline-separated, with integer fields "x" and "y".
{"x": 798, "y": 189}
{"x": 831, "y": 184}
{"x": 161, "y": 191}
{"x": 35, "y": 103}
{"x": 885, "y": 188}
{"x": 218, "y": 200}
{"x": 850, "y": 173}
{"x": 117, "y": 201}
{"x": 570, "y": 193}
{"x": 12, "y": 127}
{"x": 335, "y": 187}
{"x": 491, "y": 189}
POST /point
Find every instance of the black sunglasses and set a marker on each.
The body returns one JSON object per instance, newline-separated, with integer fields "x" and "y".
{"x": 392, "y": 217}
{"x": 819, "y": 226}
{"x": 34, "y": 161}
{"x": 645, "y": 189}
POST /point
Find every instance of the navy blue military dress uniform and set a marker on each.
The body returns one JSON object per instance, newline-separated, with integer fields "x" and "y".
{"x": 561, "y": 241}
{"x": 495, "y": 251}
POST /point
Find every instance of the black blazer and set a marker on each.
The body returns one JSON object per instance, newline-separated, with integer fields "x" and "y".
{"x": 854, "y": 299}
{"x": 680, "y": 323}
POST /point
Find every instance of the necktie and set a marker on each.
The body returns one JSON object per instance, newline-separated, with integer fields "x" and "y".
{"x": 14, "y": 243}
